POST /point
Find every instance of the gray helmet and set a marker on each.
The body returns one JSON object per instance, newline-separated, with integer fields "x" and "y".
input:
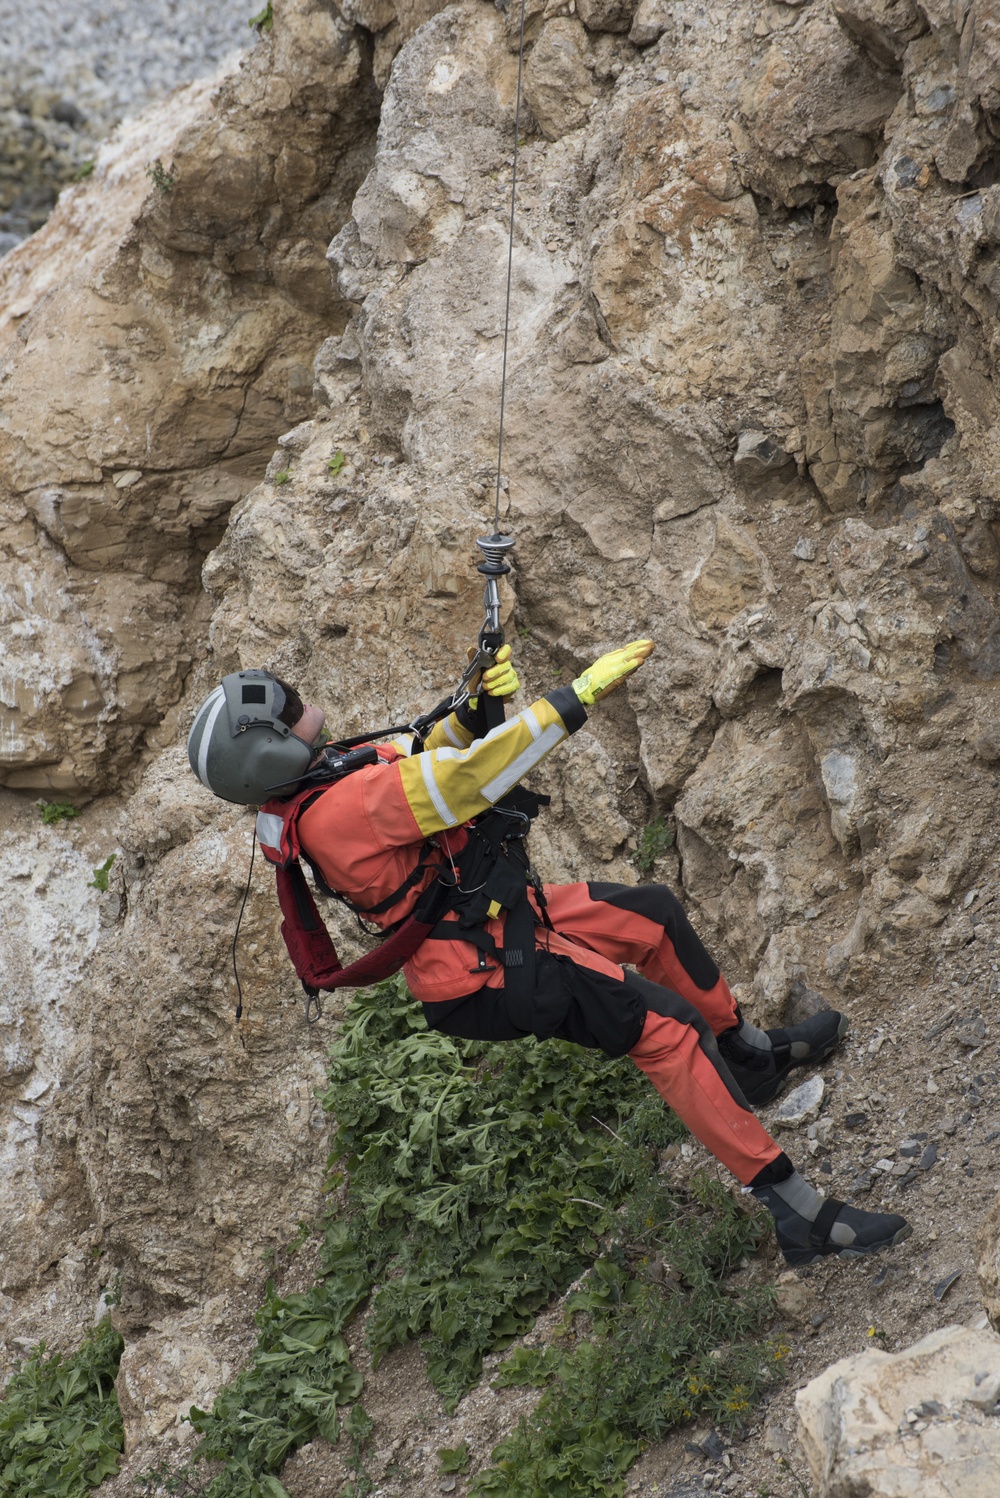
{"x": 239, "y": 748}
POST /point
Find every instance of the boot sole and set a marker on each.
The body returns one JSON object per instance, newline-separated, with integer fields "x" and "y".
{"x": 799, "y": 1258}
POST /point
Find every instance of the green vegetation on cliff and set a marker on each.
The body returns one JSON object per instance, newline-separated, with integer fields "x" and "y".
{"x": 473, "y": 1184}
{"x": 60, "y": 1426}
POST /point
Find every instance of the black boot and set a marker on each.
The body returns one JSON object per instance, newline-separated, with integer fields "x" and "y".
{"x": 836, "y": 1229}
{"x": 761, "y": 1071}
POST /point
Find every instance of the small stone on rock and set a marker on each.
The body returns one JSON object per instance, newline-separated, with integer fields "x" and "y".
{"x": 941, "y": 1025}
{"x": 971, "y": 1032}
{"x": 758, "y": 455}
{"x": 802, "y": 1105}
{"x": 943, "y": 1286}
{"x": 823, "y": 1131}
{"x": 987, "y": 1390}
{"x": 804, "y": 549}
{"x": 713, "y": 1447}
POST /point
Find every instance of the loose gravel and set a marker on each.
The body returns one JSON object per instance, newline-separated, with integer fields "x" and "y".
{"x": 69, "y": 74}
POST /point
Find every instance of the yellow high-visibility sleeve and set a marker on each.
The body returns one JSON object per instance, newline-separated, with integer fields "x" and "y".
{"x": 449, "y": 733}
{"x": 448, "y": 785}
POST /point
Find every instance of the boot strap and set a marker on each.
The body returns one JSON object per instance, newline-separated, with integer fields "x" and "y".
{"x": 825, "y": 1218}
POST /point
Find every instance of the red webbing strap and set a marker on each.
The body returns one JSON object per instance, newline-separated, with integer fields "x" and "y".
{"x": 314, "y": 957}
{"x": 384, "y": 960}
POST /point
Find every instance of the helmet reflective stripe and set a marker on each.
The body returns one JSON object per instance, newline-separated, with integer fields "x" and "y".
{"x": 202, "y": 713}
{"x": 206, "y": 737}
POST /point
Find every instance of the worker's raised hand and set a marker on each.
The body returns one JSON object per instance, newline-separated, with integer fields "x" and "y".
{"x": 501, "y": 680}
{"x": 611, "y": 670}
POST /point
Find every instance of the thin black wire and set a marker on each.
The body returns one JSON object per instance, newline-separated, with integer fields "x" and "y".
{"x": 510, "y": 263}
{"x": 239, "y": 918}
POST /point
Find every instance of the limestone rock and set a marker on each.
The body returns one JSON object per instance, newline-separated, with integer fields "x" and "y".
{"x": 801, "y": 1105}
{"x": 558, "y": 85}
{"x": 732, "y": 802}
{"x": 904, "y": 1423}
{"x": 988, "y": 1262}
{"x": 872, "y": 407}
{"x": 812, "y": 112}
{"x": 883, "y": 27}
{"x": 606, "y": 15}
{"x": 161, "y": 329}
{"x": 650, "y": 20}
{"x": 175, "y": 1364}
{"x": 48, "y": 940}
{"x": 795, "y": 1299}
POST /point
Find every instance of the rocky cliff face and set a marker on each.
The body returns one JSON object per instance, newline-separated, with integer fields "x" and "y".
{"x": 751, "y": 412}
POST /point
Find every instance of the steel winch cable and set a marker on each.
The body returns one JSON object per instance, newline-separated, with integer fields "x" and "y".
{"x": 493, "y": 566}
{"x": 510, "y": 267}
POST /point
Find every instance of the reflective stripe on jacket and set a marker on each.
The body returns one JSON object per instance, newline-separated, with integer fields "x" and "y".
{"x": 366, "y": 832}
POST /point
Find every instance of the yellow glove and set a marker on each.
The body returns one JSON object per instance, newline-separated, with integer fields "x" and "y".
{"x": 611, "y": 670}
{"x": 499, "y": 680}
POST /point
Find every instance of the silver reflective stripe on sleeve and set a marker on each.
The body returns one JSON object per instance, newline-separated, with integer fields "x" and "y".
{"x": 526, "y": 760}
{"x": 441, "y": 806}
{"x": 269, "y": 830}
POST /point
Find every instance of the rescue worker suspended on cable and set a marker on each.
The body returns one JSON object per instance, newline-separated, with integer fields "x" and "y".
{"x": 424, "y": 839}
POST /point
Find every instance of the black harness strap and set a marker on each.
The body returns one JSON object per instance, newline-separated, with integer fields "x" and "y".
{"x": 494, "y": 875}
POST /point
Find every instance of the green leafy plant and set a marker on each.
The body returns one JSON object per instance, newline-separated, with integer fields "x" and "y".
{"x": 84, "y": 170}
{"x": 282, "y": 477}
{"x": 160, "y": 177}
{"x": 101, "y": 874}
{"x": 179, "y": 1482}
{"x": 665, "y": 1342}
{"x": 473, "y": 1183}
{"x": 60, "y": 1426}
{"x": 358, "y": 1428}
{"x": 455, "y": 1458}
{"x": 264, "y": 20}
{"x": 337, "y": 462}
{"x": 654, "y": 841}
{"x": 56, "y": 811}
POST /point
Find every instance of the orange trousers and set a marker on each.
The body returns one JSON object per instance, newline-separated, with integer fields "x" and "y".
{"x": 687, "y": 1003}
{"x": 666, "y": 1016}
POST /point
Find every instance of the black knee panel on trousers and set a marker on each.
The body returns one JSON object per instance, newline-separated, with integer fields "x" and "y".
{"x": 659, "y": 1000}
{"x": 656, "y": 903}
